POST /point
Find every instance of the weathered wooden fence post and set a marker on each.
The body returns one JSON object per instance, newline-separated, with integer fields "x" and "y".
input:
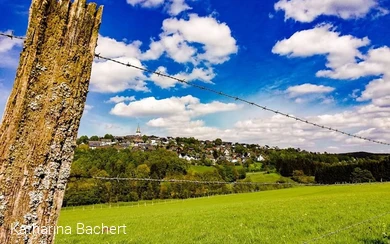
{"x": 42, "y": 116}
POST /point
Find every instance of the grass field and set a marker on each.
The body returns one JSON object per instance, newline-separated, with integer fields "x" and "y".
{"x": 294, "y": 215}
{"x": 263, "y": 177}
{"x": 201, "y": 169}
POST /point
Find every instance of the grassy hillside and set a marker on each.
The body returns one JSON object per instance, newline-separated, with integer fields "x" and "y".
{"x": 264, "y": 177}
{"x": 292, "y": 215}
{"x": 201, "y": 169}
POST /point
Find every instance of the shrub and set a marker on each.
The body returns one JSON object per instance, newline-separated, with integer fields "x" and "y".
{"x": 361, "y": 175}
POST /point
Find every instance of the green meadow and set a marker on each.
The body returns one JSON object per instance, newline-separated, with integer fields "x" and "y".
{"x": 263, "y": 177}
{"x": 201, "y": 169}
{"x": 294, "y": 215}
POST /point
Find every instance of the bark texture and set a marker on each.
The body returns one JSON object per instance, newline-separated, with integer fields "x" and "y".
{"x": 39, "y": 127}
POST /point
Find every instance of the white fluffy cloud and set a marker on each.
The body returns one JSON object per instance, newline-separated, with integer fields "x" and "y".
{"x": 179, "y": 116}
{"x": 9, "y": 51}
{"x": 119, "y": 99}
{"x": 162, "y": 81}
{"x": 175, "y": 114}
{"x": 322, "y": 40}
{"x": 173, "y": 7}
{"x": 112, "y": 48}
{"x": 345, "y": 61}
{"x": 179, "y": 40}
{"x": 146, "y": 3}
{"x": 174, "y": 107}
{"x": 342, "y": 52}
{"x": 110, "y": 77}
{"x": 152, "y": 107}
{"x": 202, "y": 74}
{"x": 177, "y": 6}
{"x": 376, "y": 62}
{"x": 308, "y": 10}
{"x": 179, "y": 35}
{"x": 304, "y": 89}
{"x": 7, "y": 44}
{"x": 175, "y": 47}
{"x": 274, "y": 131}
{"x": 378, "y": 91}
{"x": 280, "y": 131}
{"x": 87, "y": 108}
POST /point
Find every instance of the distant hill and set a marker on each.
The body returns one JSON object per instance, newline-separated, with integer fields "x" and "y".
{"x": 365, "y": 154}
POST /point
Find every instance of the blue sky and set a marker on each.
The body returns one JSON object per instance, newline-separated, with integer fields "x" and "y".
{"x": 326, "y": 61}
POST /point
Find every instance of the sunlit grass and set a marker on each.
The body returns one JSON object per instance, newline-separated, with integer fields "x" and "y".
{"x": 292, "y": 215}
{"x": 263, "y": 177}
{"x": 201, "y": 169}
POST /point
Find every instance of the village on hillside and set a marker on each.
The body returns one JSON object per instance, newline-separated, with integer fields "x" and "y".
{"x": 189, "y": 149}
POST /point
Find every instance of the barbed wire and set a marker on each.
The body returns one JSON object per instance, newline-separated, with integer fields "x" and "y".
{"x": 222, "y": 182}
{"x": 347, "y": 227}
{"x": 242, "y": 100}
{"x": 220, "y": 93}
{"x": 204, "y": 182}
{"x": 12, "y": 36}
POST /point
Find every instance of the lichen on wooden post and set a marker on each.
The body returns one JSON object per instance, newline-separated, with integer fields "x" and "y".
{"x": 39, "y": 127}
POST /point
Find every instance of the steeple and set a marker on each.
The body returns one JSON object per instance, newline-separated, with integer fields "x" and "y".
{"x": 138, "y": 132}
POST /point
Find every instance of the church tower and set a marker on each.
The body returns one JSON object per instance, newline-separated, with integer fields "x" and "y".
{"x": 138, "y": 132}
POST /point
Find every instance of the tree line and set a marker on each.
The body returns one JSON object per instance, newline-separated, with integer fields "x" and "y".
{"x": 331, "y": 168}
{"x": 83, "y": 188}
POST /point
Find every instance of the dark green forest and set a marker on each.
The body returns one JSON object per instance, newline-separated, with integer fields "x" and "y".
{"x": 332, "y": 168}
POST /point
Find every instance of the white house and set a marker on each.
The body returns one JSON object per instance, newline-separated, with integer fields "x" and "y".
{"x": 260, "y": 158}
{"x": 153, "y": 142}
{"x": 186, "y": 157}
